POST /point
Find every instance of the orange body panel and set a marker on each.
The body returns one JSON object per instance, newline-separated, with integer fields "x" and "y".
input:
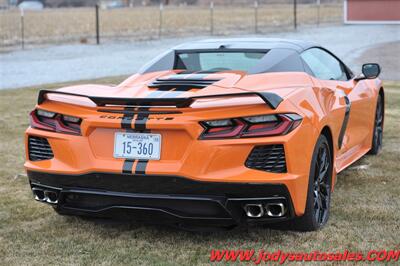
{"x": 320, "y": 103}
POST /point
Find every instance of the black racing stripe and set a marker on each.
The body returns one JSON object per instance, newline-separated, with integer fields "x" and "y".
{"x": 141, "y": 167}
{"x": 128, "y": 165}
{"x": 126, "y": 123}
{"x": 140, "y": 122}
{"x": 140, "y": 125}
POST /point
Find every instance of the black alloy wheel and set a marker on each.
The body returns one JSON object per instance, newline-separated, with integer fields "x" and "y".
{"x": 321, "y": 186}
{"x": 378, "y": 128}
{"x": 316, "y": 213}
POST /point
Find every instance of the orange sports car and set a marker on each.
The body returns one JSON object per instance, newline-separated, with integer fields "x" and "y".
{"x": 211, "y": 133}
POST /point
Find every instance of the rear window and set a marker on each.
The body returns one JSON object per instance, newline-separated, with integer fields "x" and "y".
{"x": 218, "y": 61}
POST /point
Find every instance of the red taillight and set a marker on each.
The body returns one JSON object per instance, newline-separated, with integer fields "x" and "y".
{"x": 229, "y": 131}
{"x": 55, "y": 122}
{"x": 255, "y": 126}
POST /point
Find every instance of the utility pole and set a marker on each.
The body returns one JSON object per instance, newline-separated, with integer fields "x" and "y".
{"x": 97, "y": 25}
{"x": 255, "y": 17}
{"x": 22, "y": 29}
{"x": 160, "y": 21}
{"x": 295, "y": 14}
{"x": 211, "y": 18}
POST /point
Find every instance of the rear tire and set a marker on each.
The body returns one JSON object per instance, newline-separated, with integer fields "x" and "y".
{"x": 319, "y": 189}
{"x": 378, "y": 128}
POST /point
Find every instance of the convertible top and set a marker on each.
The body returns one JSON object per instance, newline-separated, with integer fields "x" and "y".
{"x": 247, "y": 43}
{"x": 281, "y": 55}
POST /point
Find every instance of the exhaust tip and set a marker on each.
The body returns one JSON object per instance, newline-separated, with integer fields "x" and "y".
{"x": 275, "y": 209}
{"x": 51, "y": 197}
{"x": 43, "y": 195}
{"x": 254, "y": 210}
{"x": 39, "y": 194}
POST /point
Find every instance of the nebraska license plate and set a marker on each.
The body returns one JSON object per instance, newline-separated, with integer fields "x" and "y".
{"x": 137, "y": 146}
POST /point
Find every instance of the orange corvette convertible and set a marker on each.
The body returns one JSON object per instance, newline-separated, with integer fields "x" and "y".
{"x": 213, "y": 133}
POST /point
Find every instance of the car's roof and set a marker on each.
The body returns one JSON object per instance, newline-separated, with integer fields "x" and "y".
{"x": 247, "y": 43}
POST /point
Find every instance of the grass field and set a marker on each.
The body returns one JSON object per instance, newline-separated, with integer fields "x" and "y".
{"x": 74, "y": 24}
{"x": 365, "y": 211}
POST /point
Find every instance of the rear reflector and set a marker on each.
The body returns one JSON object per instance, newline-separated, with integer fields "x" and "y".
{"x": 270, "y": 158}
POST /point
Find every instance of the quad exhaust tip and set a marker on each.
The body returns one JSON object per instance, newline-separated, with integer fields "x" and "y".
{"x": 254, "y": 210}
{"x": 44, "y": 195}
{"x": 38, "y": 193}
{"x": 258, "y": 210}
{"x": 275, "y": 209}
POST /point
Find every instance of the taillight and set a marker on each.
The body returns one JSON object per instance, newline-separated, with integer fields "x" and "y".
{"x": 252, "y": 126}
{"x": 51, "y": 121}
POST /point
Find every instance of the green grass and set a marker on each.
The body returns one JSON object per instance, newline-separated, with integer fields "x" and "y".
{"x": 365, "y": 210}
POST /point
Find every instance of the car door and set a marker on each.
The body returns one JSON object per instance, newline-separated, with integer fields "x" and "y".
{"x": 356, "y": 96}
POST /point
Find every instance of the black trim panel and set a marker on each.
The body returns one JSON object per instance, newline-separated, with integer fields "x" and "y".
{"x": 134, "y": 112}
{"x": 345, "y": 121}
{"x": 157, "y": 184}
{"x": 161, "y": 199}
{"x": 181, "y": 82}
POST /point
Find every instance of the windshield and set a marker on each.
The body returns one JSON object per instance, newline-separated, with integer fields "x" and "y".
{"x": 218, "y": 61}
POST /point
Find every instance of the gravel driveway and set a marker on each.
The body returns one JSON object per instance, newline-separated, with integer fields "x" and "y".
{"x": 82, "y": 61}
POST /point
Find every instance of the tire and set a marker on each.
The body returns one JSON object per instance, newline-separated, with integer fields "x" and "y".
{"x": 378, "y": 128}
{"x": 319, "y": 189}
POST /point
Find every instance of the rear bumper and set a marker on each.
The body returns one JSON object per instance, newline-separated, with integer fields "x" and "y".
{"x": 161, "y": 199}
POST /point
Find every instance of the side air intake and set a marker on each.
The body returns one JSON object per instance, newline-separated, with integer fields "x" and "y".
{"x": 270, "y": 158}
{"x": 39, "y": 149}
{"x": 181, "y": 84}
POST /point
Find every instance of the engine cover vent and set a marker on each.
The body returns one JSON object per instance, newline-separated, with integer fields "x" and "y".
{"x": 181, "y": 84}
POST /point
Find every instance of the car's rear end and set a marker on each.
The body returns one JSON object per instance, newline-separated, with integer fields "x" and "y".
{"x": 204, "y": 134}
{"x": 219, "y": 161}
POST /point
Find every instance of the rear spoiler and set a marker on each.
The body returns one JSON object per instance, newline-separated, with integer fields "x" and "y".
{"x": 271, "y": 99}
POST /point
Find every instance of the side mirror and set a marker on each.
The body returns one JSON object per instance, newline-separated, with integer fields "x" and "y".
{"x": 369, "y": 71}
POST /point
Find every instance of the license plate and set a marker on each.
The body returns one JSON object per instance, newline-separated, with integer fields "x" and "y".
{"x": 137, "y": 146}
